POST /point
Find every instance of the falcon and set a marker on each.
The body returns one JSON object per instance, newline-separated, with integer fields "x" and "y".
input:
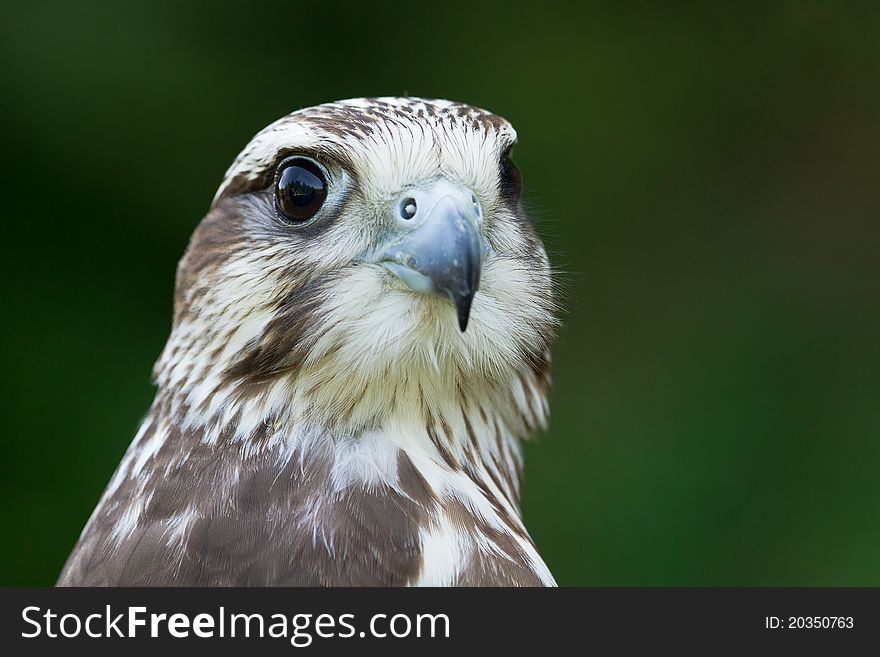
{"x": 360, "y": 344}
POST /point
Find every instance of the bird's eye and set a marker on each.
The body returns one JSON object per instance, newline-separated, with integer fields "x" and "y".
{"x": 300, "y": 189}
{"x": 511, "y": 181}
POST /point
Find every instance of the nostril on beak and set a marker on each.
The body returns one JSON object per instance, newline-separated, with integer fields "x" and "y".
{"x": 408, "y": 208}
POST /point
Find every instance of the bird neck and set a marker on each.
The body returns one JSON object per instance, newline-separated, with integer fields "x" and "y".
{"x": 445, "y": 431}
{"x": 434, "y": 488}
{"x": 359, "y": 411}
{"x": 429, "y": 466}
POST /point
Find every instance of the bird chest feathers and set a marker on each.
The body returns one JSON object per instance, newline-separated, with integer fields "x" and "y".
{"x": 361, "y": 342}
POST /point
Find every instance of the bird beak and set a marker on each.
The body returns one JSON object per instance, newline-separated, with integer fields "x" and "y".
{"x": 438, "y": 247}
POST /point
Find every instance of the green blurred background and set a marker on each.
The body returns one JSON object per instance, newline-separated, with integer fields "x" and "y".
{"x": 705, "y": 178}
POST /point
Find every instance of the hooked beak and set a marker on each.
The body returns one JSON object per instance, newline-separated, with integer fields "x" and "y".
{"x": 438, "y": 247}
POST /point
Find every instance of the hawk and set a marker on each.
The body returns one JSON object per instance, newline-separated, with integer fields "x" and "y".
{"x": 361, "y": 341}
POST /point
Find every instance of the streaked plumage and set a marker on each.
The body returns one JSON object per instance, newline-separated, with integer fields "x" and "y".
{"x": 317, "y": 422}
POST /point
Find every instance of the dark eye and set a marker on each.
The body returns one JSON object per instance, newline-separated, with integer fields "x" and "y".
{"x": 300, "y": 189}
{"x": 511, "y": 181}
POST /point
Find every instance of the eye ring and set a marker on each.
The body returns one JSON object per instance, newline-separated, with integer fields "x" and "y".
{"x": 300, "y": 189}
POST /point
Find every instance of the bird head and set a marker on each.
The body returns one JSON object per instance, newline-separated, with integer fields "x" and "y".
{"x": 359, "y": 258}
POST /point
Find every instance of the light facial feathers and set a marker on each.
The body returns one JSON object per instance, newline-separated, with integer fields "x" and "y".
{"x": 295, "y": 355}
